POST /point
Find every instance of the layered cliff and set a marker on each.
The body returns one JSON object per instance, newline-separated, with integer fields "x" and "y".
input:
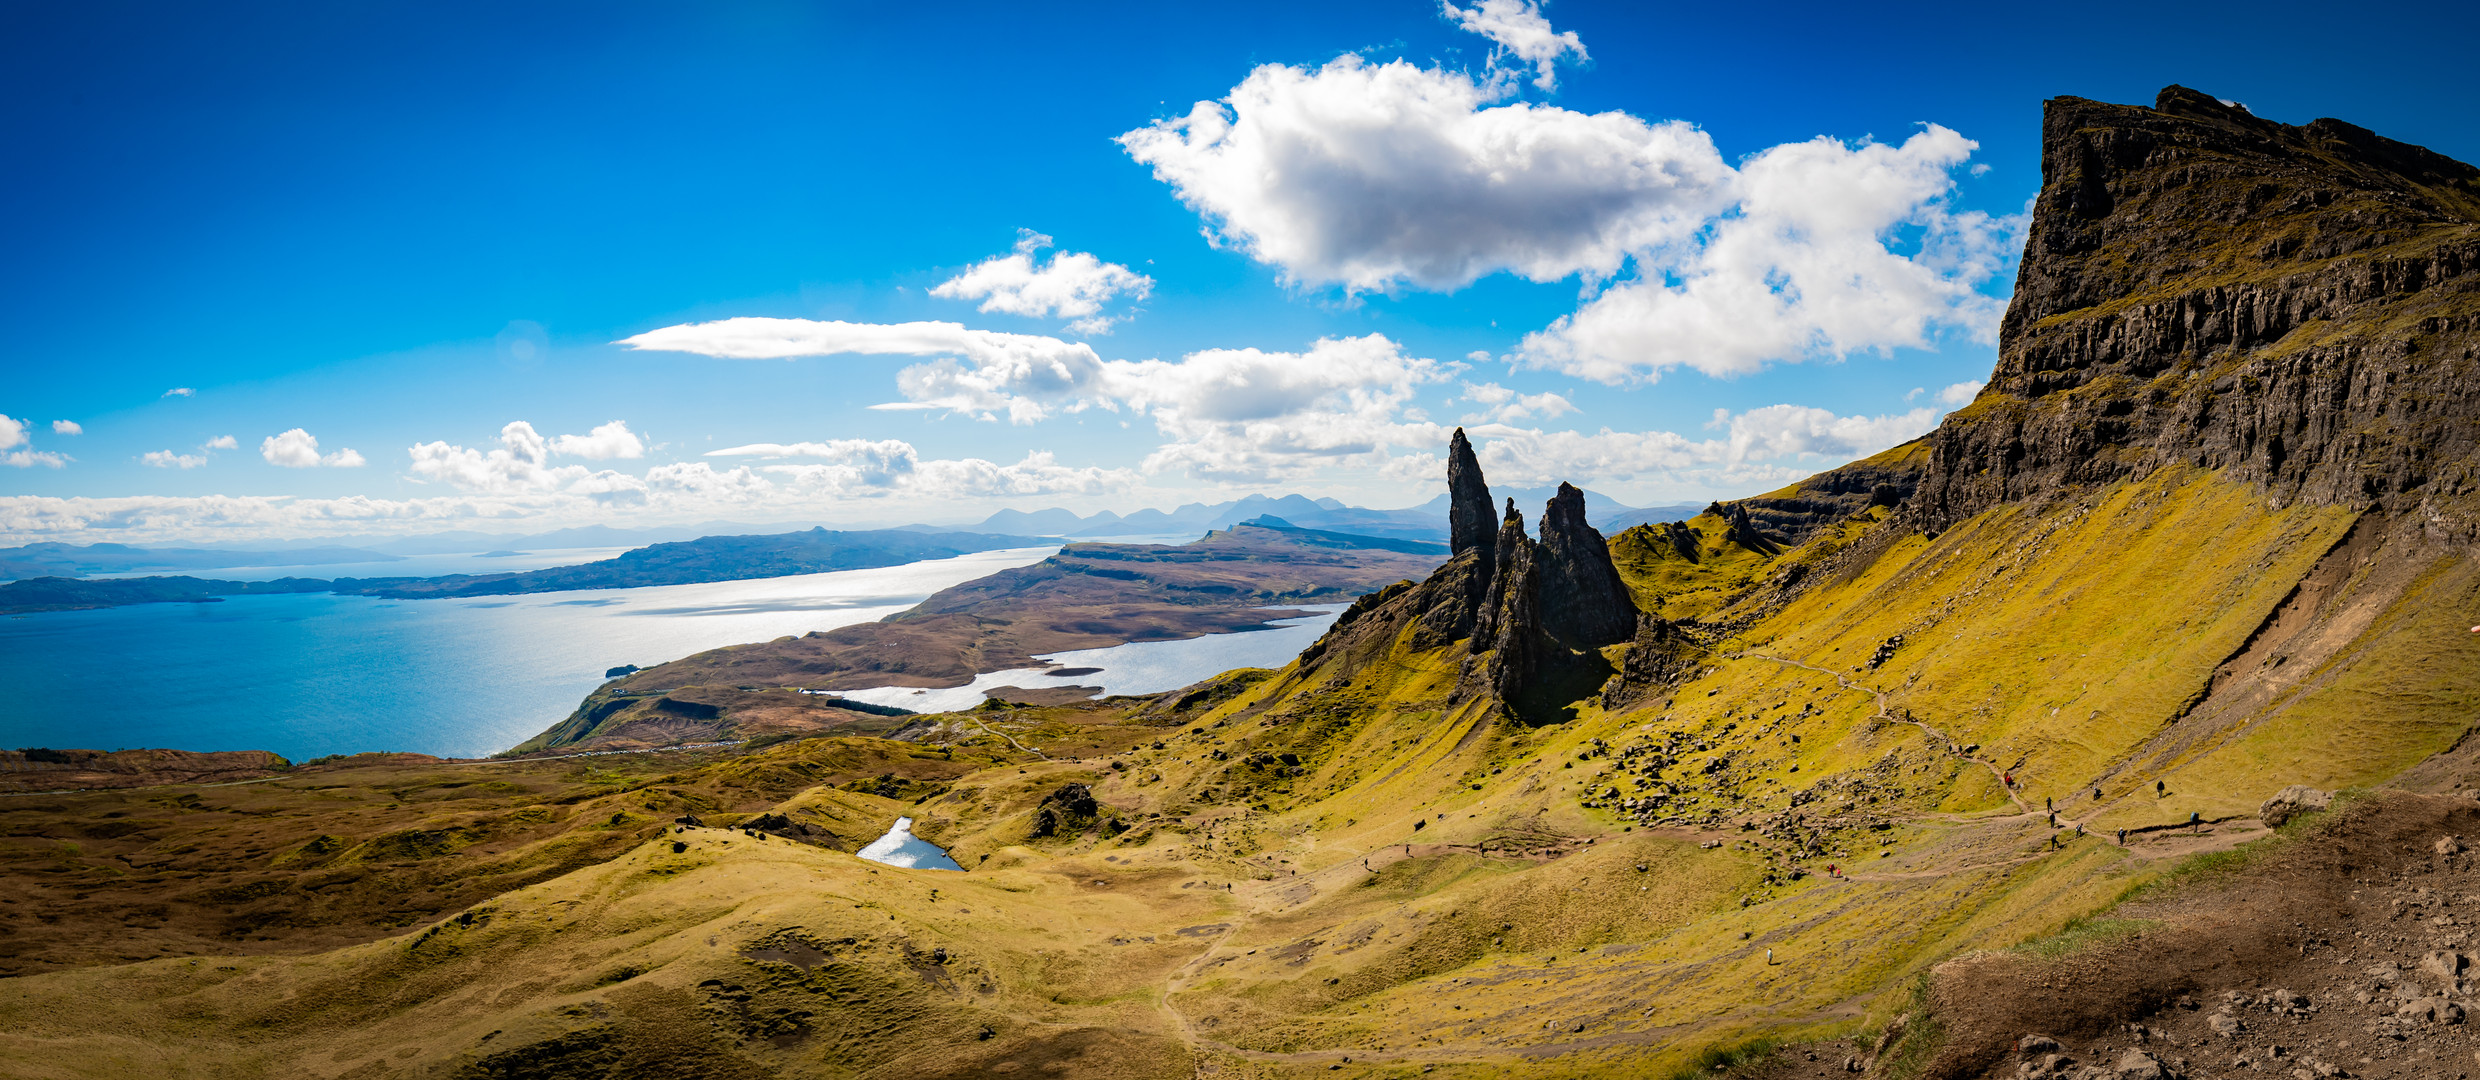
{"x": 2299, "y": 306}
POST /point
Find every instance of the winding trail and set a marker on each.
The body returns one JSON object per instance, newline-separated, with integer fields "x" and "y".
{"x": 2230, "y": 839}
{"x": 1995, "y": 771}
{"x": 1011, "y": 740}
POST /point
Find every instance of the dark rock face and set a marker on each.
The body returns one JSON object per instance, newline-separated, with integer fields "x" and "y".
{"x": 1527, "y": 612}
{"x": 1583, "y": 602}
{"x": 2296, "y": 306}
{"x": 1510, "y": 621}
{"x": 1468, "y": 499}
{"x": 1068, "y": 809}
{"x": 1742, "y": 527}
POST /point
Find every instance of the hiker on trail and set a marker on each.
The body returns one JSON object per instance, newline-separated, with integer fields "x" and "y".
{"x": 2049, "y": 803}
{"x": 2195, "y": 821}
{"x": 1833, "y": 870}
{"x": 2122, "y": 838}
{"x": 2096, "y": 794}
{"x": 2079, "y": 830}
{"x": 2161, "y": 788}
{"x": 1769, "y": 956}
{"x": 2053, "y": 819}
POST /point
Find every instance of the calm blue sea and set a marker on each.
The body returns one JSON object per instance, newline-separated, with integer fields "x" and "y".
{"x": 319, "y": 674}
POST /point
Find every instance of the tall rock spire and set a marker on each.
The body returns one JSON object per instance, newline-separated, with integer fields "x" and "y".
{"x": 1470, "y": 524}
{"x": 1583, "y": 601}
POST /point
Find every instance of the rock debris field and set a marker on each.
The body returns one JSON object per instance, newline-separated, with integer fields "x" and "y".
{"x": 2344, "y": 949}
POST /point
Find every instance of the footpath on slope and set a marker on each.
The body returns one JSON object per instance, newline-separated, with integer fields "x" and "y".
{"x": 2009, "y": 781}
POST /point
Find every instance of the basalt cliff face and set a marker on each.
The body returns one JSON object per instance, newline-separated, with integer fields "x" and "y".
{"x": 2299, "y": 306}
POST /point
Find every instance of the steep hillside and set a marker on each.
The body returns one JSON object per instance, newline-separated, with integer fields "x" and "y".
{"x": 1969, "y": 741}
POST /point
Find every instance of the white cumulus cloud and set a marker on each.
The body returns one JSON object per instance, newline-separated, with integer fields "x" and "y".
{"x": 1379, "y": 176}
{"x": 1802, "y": 268}
{"x": 20, "y": 451}
{"x": 1519, "y": 30}
{"x": 520, "y": 464}
{"x": 168, "y": 459}
{"x": 67, "y": 427}
{"x": 298, "y": 449}
{"x": 1252, "y": 415}
{"x": 1071, "y": 285}
{"x": 1960, "y": 394}
{"x": 604, "y": 442}
{"x": 1372, "y": 175}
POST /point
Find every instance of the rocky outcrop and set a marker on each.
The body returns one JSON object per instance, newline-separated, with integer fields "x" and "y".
{"x": 1468, "y": 500}
{"x": 2290, "y": 802}
{"x": 1505, "y": 635}
{"x": 2297, "y": 306}
{"x": 1585, "y": 604}
{"x": 1070, "y": 809}
{"x": 1739, "y": 527}
{"x": 1524, "y": 610}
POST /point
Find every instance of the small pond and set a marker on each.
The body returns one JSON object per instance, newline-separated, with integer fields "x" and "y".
{"x": 901, "y": 848}
{"x": 1138, "y": 667}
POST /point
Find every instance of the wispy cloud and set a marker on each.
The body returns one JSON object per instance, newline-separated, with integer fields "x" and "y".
{"x": 181, "y": 391}
{"x": 67, "y": 427}
{"x": 1519, "y": 30}
{"x": 166, "y": 459}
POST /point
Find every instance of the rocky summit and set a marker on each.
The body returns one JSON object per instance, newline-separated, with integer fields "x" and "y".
{"x": 2118, "y": 729}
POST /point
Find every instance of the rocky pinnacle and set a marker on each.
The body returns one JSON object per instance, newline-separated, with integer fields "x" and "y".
{"x": 1583, "y": 602}
{"x": 1469, "y": 521}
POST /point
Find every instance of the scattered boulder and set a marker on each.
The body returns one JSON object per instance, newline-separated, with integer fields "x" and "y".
{"x": 2225, "y": 1025}
{"x": 2135, "y": 1064}
{"x": 2290, "y": 802}
{"x": 2450, "y": 845}
{"x": 2446, "y": 964}
{"x": 2428, "y": 1010}
{"x": 2035, "y": 1045}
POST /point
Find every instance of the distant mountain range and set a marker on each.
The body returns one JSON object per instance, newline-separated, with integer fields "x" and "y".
{"x": 1427, "y": 521}
{"x": 72, "y": 560}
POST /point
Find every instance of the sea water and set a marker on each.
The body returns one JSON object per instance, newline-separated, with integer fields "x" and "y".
{"x": 312, "y": 674}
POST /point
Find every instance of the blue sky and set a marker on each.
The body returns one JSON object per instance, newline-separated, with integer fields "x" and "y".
{"x": 399, "y": 229}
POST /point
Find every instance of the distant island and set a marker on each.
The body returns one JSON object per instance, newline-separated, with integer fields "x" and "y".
{"x": 689, "y": 562}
